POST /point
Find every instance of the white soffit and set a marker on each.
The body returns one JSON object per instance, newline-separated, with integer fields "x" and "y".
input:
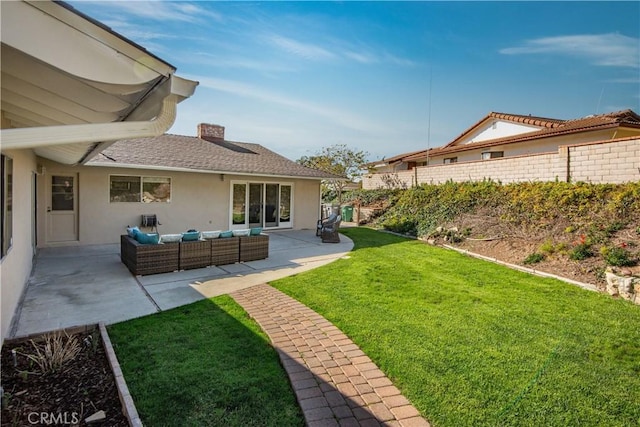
{"x": 71, "y": 85}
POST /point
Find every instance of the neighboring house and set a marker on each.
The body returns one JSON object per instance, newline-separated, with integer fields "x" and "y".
{"x": 393, "y": 164}
{"x": 70, "y": 88}
{"x": 529, "y": 148}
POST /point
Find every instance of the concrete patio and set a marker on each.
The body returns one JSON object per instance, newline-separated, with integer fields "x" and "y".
{"x": 78, "y": 285}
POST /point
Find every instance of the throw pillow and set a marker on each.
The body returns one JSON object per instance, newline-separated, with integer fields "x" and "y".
{"x": 190, "y": 236}
{"x": 238, "y": 233}
{"x": 132, "y": 231}
{"x": 148, "y": 238}
{"x": 225, "y": 234}
{"x": 210, "y": 234}
{"x": 170, "y": 238}
{"x": 255, "y": 231}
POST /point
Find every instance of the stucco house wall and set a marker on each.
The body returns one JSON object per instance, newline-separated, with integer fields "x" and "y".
{"x": 198, "y": 201}
{"x": 15, "y": 267}
{"x": 531, "y": 147}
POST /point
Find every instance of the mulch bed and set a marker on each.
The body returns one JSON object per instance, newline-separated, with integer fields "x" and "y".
{"x": 82, "y": 387}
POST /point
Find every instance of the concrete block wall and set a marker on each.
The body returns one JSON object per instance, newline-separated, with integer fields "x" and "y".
{"x": 598, "y": 162}
{"x": 538, "y": 167}
{"x": 400, "y": 179}
{"x": 605, "y": 162}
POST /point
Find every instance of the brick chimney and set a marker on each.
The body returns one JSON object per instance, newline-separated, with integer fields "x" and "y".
{"x": 207, "y": 130}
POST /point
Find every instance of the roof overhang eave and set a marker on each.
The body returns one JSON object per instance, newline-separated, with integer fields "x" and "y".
{"x": 174, "y": 90}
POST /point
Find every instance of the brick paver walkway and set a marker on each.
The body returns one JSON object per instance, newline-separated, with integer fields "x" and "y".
{"x": 335, "y": 383}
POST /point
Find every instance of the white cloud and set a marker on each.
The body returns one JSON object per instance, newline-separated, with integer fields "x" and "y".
{"x": 342, "y": 118}
{"x": 613, "y": 49}
{"x": 335, "y": 49}
{"x": 634, "y": 80}
{"x": 304, "y": 50}
{"x": 136, "y": 32}
{"x": 362, "y": 57}
{"x": 162, "y": 11}
{"x": 235, "y": 62}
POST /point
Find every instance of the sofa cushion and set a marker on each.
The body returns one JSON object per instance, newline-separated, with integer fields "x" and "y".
{"x": 255, "y": 231}
{"x": 132, "y": 231}
{"x": 226, "y": 234}
{"x": 190, "y": 236}
{"x": 148, "y": 238}
{"x": 170, "y": 238}
{"x": 243, "y": 232}
{"x": 211, "y": 234}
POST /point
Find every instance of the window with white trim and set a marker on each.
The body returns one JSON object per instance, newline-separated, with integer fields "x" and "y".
{"x": 448, "y": 160}
{"x": 146, "y": 189}
{"x": 492, "y": 155}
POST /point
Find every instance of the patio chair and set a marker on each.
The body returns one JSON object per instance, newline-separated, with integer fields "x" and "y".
{"x": 330, "y": 233}
{"x": 151, "y": 221}
{"x": 327, "y": 221}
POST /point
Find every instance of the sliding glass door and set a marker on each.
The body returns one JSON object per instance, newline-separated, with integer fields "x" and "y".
{"x": 256, "y": 205}
{"x": 259, "y": 204}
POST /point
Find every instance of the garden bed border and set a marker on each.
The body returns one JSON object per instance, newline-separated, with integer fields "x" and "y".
{"x": 128, "y": 407}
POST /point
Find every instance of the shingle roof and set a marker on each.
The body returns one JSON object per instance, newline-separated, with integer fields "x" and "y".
{"x": 552, "y": 127}
{"x": 212, "y": 155}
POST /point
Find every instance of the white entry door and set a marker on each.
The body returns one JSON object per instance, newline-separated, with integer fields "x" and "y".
{"x": 62, "y": 208}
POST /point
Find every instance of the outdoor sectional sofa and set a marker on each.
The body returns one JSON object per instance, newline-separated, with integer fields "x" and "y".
{"x": 142, "y": 259}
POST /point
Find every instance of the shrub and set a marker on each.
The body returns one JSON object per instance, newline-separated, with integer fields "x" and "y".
{"x": 549, "y": 248}
{"x": 404, "y": 225}
{"x": 533, "y": 258}
{"x": 56, "y": 350}
{"x": 617, "y": 256}
{"x": 581, "y": 251}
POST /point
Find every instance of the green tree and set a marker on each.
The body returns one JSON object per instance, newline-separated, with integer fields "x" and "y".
{"x": 338, "y": 160}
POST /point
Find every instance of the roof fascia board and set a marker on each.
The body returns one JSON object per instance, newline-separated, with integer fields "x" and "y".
{"x": 212, "y": 172}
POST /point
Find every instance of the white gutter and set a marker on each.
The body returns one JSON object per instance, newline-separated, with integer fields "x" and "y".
{"x": 48, "y": 136}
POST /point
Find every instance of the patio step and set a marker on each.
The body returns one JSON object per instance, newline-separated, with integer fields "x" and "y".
{"x": 335, "y": 383}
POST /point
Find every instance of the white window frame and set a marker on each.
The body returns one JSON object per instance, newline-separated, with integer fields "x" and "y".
{"x": 281, "y": 225}
{"x": 142, "y": 178}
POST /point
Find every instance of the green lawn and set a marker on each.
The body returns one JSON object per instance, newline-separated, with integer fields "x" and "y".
{"x": 471, "y": 343}
{"x": 205, "y": 364}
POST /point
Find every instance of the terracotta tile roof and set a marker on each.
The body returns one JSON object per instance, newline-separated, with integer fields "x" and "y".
{"x": 389, "y": 160}
{"x": 626, "y": 118}
{"x": 515, "y": 118}
{"x": 211, "y": 154}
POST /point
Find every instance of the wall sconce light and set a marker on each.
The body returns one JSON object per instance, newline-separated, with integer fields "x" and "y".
{"x": 221, "y": 177}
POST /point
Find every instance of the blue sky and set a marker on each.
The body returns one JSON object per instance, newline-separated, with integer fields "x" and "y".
{"x": 384, "y": 77}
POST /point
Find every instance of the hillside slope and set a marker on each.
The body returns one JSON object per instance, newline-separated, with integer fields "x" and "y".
{"x": 572, "y": 230}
